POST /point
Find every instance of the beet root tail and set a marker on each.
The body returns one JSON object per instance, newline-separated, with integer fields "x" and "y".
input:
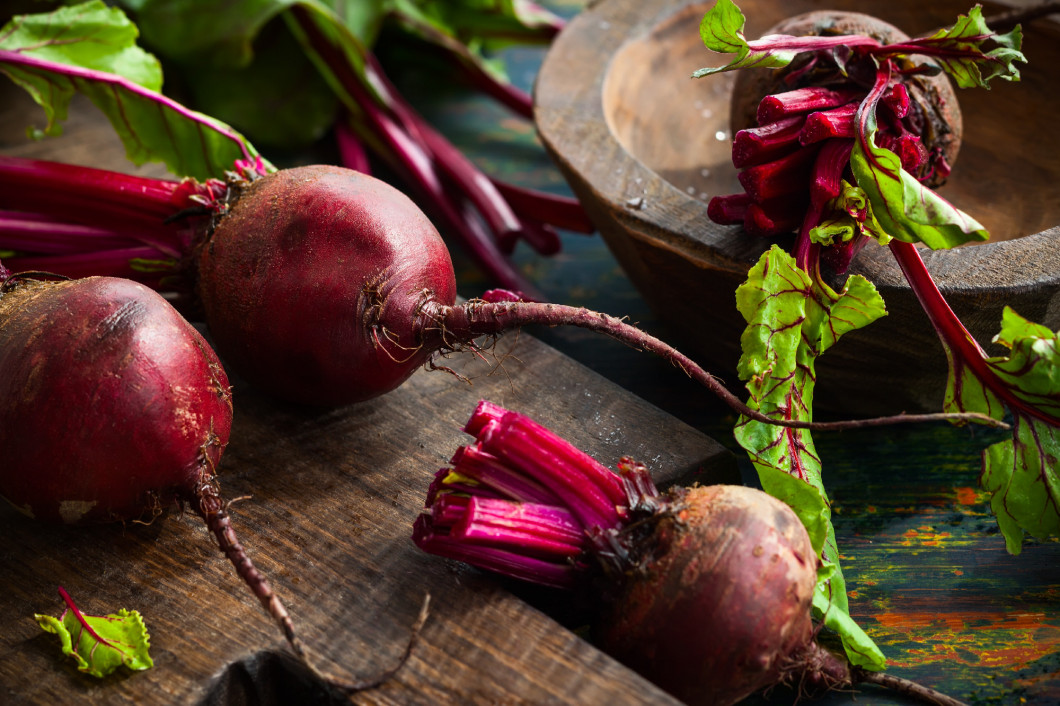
{"x": 214, "y": 511}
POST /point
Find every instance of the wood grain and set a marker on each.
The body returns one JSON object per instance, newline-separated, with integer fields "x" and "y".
{"x": 645, "y": 147}
{"x": 326, "y": 503}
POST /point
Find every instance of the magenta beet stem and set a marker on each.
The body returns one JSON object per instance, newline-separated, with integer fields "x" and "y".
{"x": 825, "y": 124}
{"x": 828, "y": 171}
{"x": 802, "y": 100}
{"x": 767, "y": 142}
{"x": 541, "y": 542}
{"x": 488, "y": 470}
{"x": 435, "y": 540}
{"x": 963, "y": 348}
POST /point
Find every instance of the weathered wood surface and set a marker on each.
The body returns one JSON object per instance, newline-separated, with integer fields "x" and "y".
{"x": 645, "y": 147}
{"x": 331, "y": 499}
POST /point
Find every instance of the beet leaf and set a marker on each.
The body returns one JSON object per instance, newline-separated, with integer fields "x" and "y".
{"x": 905, "y": 208}
{"x": 722, "y": 31}
{"x": 90, "y": 49}
{"x": 1021, "y": 473}
{"x": 791, "y": 320}
{"x": 337, "y": 41}
{"x": 100, "y": 643}
{"x": 793, "y": 316}
{"x": 960, "y": 51}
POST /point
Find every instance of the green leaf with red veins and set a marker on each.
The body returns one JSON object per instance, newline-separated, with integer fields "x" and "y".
{"x": 959, "y": 51}
{"x": 100, "y": 644}
{"x": 1022, "y": 473}
{"x": 91, "y": 49}
{"x": 722, "y": 31}
{"x": 91, "y": 36}
{"x": 791, "y": 320}
{"x": 904, "y": 208}
{"x": 847, "y": 215}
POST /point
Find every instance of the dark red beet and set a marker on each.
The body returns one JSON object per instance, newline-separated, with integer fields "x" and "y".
{"x": 314, "y": 282}
{"x": 706, "y": 591}
{"x": 737, "y": 566}
{"x": 320, "y": 285}
{"x": 114, "y": 406}
{"x": 938, "y": 114}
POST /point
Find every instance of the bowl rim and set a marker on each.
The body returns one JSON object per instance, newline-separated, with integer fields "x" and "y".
{"x": 566, "y": 120}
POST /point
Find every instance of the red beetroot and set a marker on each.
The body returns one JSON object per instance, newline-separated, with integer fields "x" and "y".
{"x": 737, "y": 563}
{"x": 139, "y": 406}
{"x": 706, "y": 590}
{"x": 315, "y": 284}
{"x": 113, "y": 408}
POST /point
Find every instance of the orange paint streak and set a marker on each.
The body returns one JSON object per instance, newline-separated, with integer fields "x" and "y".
{"x": 980, "y": 639}
{"x": 967, "y": 496}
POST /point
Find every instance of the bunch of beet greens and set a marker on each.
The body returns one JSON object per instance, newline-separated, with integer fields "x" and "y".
{"x": 841, "y": 140}
{"x": 285, "y": 74}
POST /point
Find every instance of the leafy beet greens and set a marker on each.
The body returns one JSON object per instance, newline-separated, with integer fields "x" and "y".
{"x": 91, "y": 49}
{"x": 820, "y": 163}
{"x": 319, "y": 56}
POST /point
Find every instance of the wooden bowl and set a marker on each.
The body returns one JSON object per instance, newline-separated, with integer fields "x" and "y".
{"x": 645, "y": 147}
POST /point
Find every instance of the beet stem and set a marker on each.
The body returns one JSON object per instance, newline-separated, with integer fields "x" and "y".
{"x": 767, "y": 142}
{"x": 828, "y": 171}
{"x": 801, "y": 100}
{"x": 825, "y": 124}
{"x": 782, "y": 177}
{"x": 729, "y": 209}
{"x": 488, "y": 470}
{"x": 559, "y": 211}
{"x": 478, "y": 317}
{"x": 963, "y": 347}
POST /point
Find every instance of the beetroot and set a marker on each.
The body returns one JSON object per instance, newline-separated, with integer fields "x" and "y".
{"x": 114, "y": 408}
{"x": 933, "y": 112}
{"x": 731, "y": 558}
{"x": 315, "y": 284}
{"x": 706, "y": 590}
{"x": 140, "y": 406}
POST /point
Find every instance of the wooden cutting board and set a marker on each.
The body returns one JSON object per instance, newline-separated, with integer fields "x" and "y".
{"x": 330, "y": 501}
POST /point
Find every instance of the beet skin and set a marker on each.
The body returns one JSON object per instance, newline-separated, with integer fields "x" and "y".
{"x": 719, "y": 606}
{"x": 298, "y": 277}
{"x": 113, "y": 406}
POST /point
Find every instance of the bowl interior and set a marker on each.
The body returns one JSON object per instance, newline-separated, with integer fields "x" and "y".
{"x": 1005, "y": 176}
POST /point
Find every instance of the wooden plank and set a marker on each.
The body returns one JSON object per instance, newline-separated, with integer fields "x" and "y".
{"x": 330, "y": 499}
